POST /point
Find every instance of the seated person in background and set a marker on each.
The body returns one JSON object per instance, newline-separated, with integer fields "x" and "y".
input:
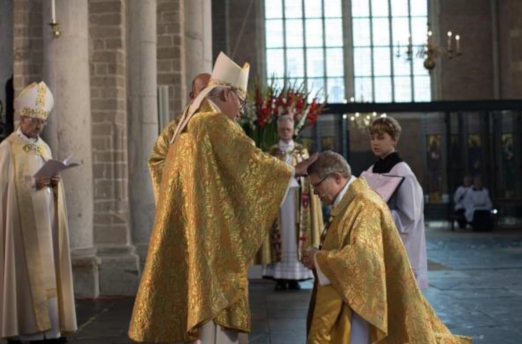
{"x": 478, "y": 206}
{"x": 458, "y": 198}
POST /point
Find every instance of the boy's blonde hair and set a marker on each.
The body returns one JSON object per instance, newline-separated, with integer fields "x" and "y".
{"x": 386, "y": 125}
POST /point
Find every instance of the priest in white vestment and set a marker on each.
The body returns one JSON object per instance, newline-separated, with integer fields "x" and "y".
{"x": 478, "y": 206}
{"x": 459, "y": 200}
{"x": 300, "y": 221}
{"x": 36, "y": 286}
{"x": 407, "y": 205}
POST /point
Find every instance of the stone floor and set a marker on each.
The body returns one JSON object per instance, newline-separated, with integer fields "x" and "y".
{"x": 476, "y": 288}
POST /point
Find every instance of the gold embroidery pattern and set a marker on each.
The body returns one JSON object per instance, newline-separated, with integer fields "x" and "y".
{"x": 159, "y": 154}
{"x": 309, "y": 216}
{"x": 39, "y": 111}
{"x": 40, "y": 96}
{"x": 28, "y": 148}
{"x": 364, "y": 258}
{"x": 219, "y": 194}
{"x": 40, "y": 295}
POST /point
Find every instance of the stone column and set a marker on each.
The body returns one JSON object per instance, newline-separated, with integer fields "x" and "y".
{"x": 143, "y": 117}
{"x": 66, "y": 71}
{"x": 198, "y": 39}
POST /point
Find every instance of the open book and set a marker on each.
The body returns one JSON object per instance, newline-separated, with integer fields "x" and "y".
{"x": 53, "y": 167}
{"x": 384, "y": 184}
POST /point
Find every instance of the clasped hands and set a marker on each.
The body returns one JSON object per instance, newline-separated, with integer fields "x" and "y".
{"x": 300, "y": 168}
{"x": 42, "y": 182}
{"x": 308, "y": 259}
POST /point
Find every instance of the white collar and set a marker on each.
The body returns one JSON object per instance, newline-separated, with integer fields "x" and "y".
{"x": 286, "y": 147}
{"x": 25, "y": 138}
{"x": 343, "y": 192}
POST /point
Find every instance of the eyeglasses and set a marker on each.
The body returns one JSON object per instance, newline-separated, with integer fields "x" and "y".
{"x": 242, "y": 102}
{"x": 315, "y": 186}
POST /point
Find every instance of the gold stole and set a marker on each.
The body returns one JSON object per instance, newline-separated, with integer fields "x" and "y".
{"x": 306, "y": 204}
{"x": 29, "y": 233}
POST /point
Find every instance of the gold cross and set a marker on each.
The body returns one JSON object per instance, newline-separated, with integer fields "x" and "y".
{"x": 32, "y": 148}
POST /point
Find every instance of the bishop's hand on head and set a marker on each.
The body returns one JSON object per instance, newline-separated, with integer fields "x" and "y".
{"x": 300, "y": 168}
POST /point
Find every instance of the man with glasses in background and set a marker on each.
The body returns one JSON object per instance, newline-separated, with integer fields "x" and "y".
{"x": 36, "y": 293}
{"x": 300, "y": 220}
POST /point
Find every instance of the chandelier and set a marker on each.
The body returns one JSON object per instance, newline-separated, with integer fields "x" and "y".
{"x": 361, "y": 121}
{"x": 431, "y": 50}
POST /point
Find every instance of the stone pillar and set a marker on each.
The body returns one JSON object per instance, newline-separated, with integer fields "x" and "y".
{"x": 66, "y": 71}
{"x": 198, "y": 39}
{"x": 6, "y": 49}
{"x": 108, "y": 31}
{"x": 171, "y": 52}
{"x": 143, "y": 117}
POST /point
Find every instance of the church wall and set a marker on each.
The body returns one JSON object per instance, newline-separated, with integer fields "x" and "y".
{"x": 469, "y": 77}
{"x": 171, "y": 52}
{"x": 220, "y": 37}
{"x": 109, "y": 111}
{"x": 27, "y": 43}
{"x": 510, "y": 46}
{"x": 245, "y": 36}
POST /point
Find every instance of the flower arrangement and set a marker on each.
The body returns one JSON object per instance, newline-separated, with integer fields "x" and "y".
{"x": 266, "y": 103}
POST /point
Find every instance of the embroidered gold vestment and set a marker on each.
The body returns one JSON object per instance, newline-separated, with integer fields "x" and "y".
{"x": 218, "y": 197}
{"x": 24, "y": 254}
{"x": 364, "y": 258}
{"x": 309, "y": 214}
{"x": 159, "y": 154}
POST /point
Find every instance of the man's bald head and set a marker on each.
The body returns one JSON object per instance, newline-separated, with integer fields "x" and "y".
{"x": 198, "y": 84}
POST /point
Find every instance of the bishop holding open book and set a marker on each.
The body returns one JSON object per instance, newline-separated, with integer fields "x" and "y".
{"x": 36, "y": 291}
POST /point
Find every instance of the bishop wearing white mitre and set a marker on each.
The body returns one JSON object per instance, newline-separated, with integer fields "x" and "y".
{"x": 36, "y": 286}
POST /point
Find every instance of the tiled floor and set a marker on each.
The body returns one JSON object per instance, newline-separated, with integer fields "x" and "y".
{"x": 476, "y": 288}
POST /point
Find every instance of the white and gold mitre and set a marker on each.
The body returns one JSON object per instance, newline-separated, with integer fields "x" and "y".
{"x": 36, "y": 100}
{"x": 226, "y": 73}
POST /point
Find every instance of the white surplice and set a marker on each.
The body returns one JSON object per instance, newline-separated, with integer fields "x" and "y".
{"x": 17, "y": 318}
{"x": 476, "y": 200}
{"x": 407, "y": 209}
{"x": 289, "y": 267}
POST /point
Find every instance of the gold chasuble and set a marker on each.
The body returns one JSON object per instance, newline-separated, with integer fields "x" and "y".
{"x": 365, "y": 260}
{"x": 35, "y": 263}
{"x": 159, "y": 154}
{"x": 219, "y": 195}
{"x": 309, "y": 216}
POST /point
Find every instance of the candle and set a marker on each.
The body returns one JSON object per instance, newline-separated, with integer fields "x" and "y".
{"x": 457, "y": 40}
{"x": 53, "y": 12}
{"x": 449, "y": 40}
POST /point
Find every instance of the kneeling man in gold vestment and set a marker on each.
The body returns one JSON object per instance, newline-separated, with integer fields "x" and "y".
{"x": 365, "y": 291}
{"x": 218, "y": 197}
